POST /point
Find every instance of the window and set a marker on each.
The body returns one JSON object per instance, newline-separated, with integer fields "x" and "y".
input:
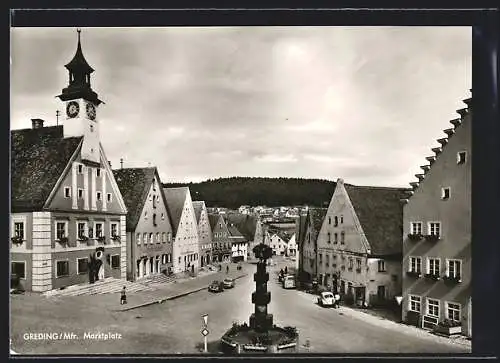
{"x": 67, "y": 192}
{"x": 80, "y": 193}
{"x": 433, "y": 307}
{"x": 381, "y": 266}
{"x": 61, "y": 228}
{"x": 98, "y": 171}
{"x": 98, "y": 195}
{"x": 91, "y": 128}
{"x": 154, "y": 201}
{"x": 454, "y": 269}
{"x": 179, "y": 259}
{"x": 80, "y": 169}
{"x": 154, "y": 184}
{"x": 169, "y": 236}
{"x": 81, "y": 229}
{"x": 145, "y": 238}
{"x": 151, "y": 238}
{"x": 453, "y": 311}
{"x": 351, "y": 262}
{"x": 98, "y": 230}
{"x": 115, "y": 261}
{"x": 435, "y": 228}
{"x": 154, "y": 219}
{"x": 18, "y": 268}
{"x": 336, "y": 221}
{"x": 414, "y": 304}
{"x": 358, "y": 263}
{"x": 329, "y": 220}
{"x": 320, "y": 258}
{"x": 114, "y": 229}
{"x": 162, "y": 216}
{"x": 158, "y": 237}
{"x": 342, "y": 237}
{"x": 433, "y": 266}
{"x": 341, "y": 219}
{"x": 109, "y": 197}
{"x": 327, "y": 257}
{"x": 82, "y": 266}
{"x": 138, "y": 238}
{"x": 416, "y": 228}
{"x": 445, "y": 193}
{"x": 416, "y": 264}
{"x": 329, "y": 238}
{"x": 335, "y": 238}
{"x": 62, "y": 268}
{"x": 19, "y": 229}
{"x": 145, "y": 215}
{"x": 461, "y": 157}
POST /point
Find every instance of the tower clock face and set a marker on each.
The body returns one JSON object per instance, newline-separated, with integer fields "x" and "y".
{"x": 90, "y": 108}
{"x": 72, "y": 109}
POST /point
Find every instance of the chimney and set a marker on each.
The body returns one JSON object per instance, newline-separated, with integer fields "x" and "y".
{"x": 37, "y": 123}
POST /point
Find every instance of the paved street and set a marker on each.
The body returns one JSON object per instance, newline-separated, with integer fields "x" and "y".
{"x": 174, "y": 326}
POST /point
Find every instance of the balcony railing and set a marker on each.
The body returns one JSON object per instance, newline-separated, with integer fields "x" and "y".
{"x": 432, "y": 237}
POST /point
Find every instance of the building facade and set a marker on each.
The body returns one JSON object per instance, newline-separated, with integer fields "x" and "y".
{"x": 359, "y": 244}
{"x": 239, "y": 244}
{"x": 186, "y": 246}
{"x": 221, "y": 244}
{"x": 437, "y": 234}
{"x": 312, "y": 225}
{"x": 67, "y": 213}
{"x": 204, "y": 232}
{"x": 149, "y": 230}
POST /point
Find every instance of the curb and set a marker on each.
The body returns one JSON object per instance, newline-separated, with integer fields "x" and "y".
{"x": 173, "y": 297}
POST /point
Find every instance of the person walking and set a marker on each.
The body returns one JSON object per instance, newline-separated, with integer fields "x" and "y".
{"x": 123, "y": 298}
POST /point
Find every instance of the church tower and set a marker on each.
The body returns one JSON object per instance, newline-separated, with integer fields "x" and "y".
{"x": 81, "y": 104}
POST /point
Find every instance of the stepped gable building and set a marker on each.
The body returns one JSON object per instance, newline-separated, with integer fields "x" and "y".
{"x": 314, "y": 220}
{"x": 221, "y": 244}
{"x": 67, "y": 213}
{"x": 359, "y": 245}
{"x": 186, "y": 246}
{"x": 204, "y": 232}
{"x": 437, "y": 233}
{"x": 149, "y": 231}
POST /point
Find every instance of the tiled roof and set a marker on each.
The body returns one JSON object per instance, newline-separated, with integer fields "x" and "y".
{"x": 380, "y": 213}
{"x": 198, "y": 207}
{"x": 284, "y": 235}
{"x": 213, "y": 219}
{"x": 317, "y": 216}
{"x": 175, "y": 198}
{"x": 245, "y": 223}
{"x": 38, "y": 159}
{"x": 134, "y": 185}
{"x": 235, "y": 234}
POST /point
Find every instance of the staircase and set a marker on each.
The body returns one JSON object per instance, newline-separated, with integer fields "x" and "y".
{"x": 107, "y": 286}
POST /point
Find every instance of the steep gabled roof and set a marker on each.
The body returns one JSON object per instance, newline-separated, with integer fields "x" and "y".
{"x": 235, "y": 234}
{"x": 380, "y": 213}
{"x": 317, "y": 215}
{"x": 175, "y": 198}
{"x": 198, "y": 207}
{"x": 134, "y": 185}
{"x": 38, "y": 158}
{"x": 213, "y": 219}
{"x": 245, "y": 223}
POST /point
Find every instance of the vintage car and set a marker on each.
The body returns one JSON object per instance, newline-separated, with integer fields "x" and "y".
{"x": 228, "y": 283}
{"x": 216, "y": 286}
{"x": 326, "y": 299}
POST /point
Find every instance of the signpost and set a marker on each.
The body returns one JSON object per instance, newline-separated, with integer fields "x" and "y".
{"x": 204, "y": 331}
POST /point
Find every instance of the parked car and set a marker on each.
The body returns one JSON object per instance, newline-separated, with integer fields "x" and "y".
{"x": 216, "y": 286}
{"x": 228, "y": 283}
{"x": 326, "y": 299}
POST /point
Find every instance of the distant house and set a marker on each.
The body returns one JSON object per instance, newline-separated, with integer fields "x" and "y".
{"x": 291, "y": 248}
{"x": 204, "y": 232}
{"x": 437, "y": 234}
{"x": 221, "y": 244}
{"x": 149, "y": 230}
{"x": 247, "y": 226}
{"x": 67, "y": 214}
{"x": 186, "y": 248}
{"x": 278, "y": 241}
{"x": 313, "y": 223}
{"x": 359, "y": 244}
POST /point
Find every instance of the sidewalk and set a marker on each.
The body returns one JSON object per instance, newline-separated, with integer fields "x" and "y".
{"x": 405, "y": 329}
{"x": 176, "y": 289}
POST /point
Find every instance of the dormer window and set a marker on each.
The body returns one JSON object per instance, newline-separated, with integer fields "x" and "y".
{"x": 445, "y": 193}
{"x": 461, "y": 157}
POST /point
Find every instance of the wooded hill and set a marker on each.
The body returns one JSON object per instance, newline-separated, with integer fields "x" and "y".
{"x": 236, "y": 191}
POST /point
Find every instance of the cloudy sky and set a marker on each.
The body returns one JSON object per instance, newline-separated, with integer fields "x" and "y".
{"x": 362, "y": 103}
